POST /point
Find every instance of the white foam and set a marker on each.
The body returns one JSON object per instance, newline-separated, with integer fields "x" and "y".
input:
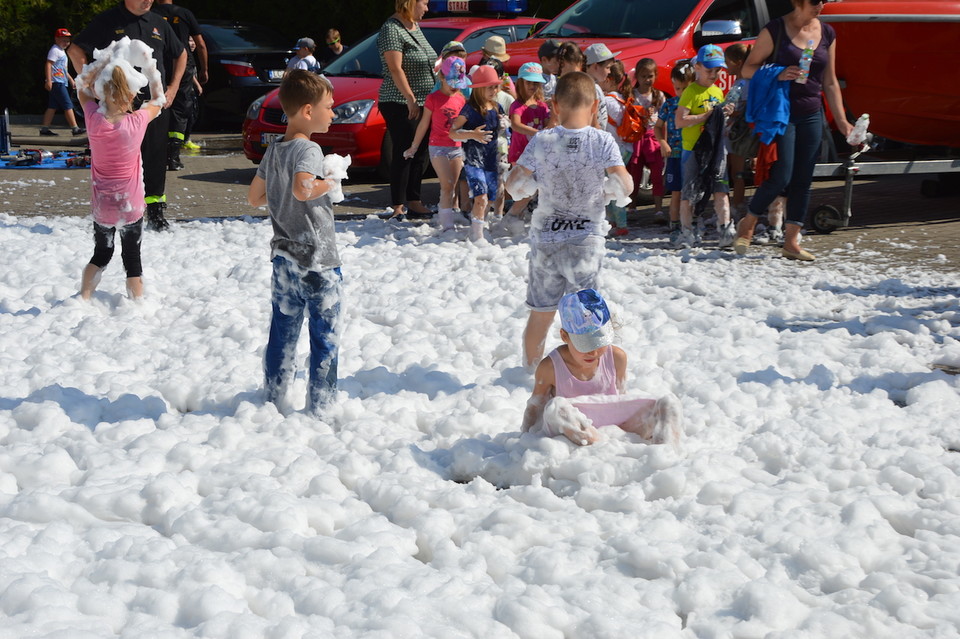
{"x": 126, "y": 54}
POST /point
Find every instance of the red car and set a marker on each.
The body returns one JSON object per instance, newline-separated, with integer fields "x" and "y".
{"x": 664, "y": 31}
{"x": 358, "y": 129}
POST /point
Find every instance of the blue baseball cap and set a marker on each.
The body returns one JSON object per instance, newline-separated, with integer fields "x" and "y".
{"x": 532, "y": 72}
{"x": 586, "y": 319}
{"x": 711, "y": 56}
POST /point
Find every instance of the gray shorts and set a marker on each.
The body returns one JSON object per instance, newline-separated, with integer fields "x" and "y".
{"x": 558, "y": 268}
{"x": 449, "y": 152}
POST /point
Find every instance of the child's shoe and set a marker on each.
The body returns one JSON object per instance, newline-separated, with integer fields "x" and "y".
{"x": 686, "y": 239}
{"x": 191, "y": 146}
{"x": 674, "y": 236}
{"x": 78, "y": 130}
{"x": 776, "y": 236}
{"x": 727, "y": 235}
{"x": 620, "y": 231}
{"x": 47, "y": 131}
{"x": 476, "y": 229}
{"x": 445, "y": 217}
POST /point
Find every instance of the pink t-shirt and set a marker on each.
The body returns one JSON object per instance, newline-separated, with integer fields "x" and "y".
{"x": 116, "y": 169}
{"x": 535, "y": 116}
{"x": 444, "y": 110}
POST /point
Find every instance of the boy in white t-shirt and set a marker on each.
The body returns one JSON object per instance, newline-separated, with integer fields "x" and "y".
{"x": 567, "y": 164}
{"x": 304, "y": 58}
{"x": 57, "y": 82}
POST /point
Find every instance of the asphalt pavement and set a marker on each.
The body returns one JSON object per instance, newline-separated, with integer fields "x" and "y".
{"x": 892, "y": 220}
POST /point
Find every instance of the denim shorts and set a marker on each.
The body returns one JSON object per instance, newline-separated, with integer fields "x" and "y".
{"x": 673, "y": 175}
{"x": 557, "y": 268}
{"x": 481, "y": 182}
{"x": 59, "y": 97}
{"x": 449, "y": 152}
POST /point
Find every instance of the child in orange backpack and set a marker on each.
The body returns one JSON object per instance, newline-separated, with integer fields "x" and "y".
{"x": 646, "y": 151}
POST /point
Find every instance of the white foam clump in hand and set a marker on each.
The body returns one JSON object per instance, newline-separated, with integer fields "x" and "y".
{"x": 561, "y": 417}
{"x": 616, "y": 189}
{"x": 335, "y": 170}
{"x": 525, "y": 185}
{"x": 128, "y": 55}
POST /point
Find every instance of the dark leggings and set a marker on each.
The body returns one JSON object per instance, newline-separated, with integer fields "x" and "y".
{"x": 405, "y": 175}
{"x": 792, "y": 173}
{"x": 129, "y": 246}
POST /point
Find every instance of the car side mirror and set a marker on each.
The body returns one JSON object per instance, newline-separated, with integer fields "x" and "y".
{"x": 716, "y": 31}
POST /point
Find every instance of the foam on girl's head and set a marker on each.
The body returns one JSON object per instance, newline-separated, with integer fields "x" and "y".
{"x": 126, "y": 54}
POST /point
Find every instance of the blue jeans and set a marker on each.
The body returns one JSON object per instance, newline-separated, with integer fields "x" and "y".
{"x": 797, "y": 151}
{"x": 319, "y": 292}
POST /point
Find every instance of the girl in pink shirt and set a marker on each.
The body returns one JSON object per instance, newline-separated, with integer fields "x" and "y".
{"x": 579, "y": 386}
{"x": 440, "y": 109}
{"x": 116, "y": 174}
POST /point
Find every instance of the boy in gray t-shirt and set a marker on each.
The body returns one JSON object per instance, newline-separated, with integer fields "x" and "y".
{"x": 306, "y": 266}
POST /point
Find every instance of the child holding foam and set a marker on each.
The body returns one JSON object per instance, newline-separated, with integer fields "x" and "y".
{"x": 116, "y": 168}
{"x": 306, "y": 264}
{"x": 579, "y": 386}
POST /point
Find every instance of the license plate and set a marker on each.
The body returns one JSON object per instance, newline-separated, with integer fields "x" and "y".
{"x": 458, "y": 5}
{"x": 276, "y": 75}
{"x": 266, "y": 139}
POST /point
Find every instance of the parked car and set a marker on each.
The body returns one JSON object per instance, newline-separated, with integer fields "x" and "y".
{"x": 245, "y": 61}
{"x": 358, "y": 129}
{"x": 664, "y": 31}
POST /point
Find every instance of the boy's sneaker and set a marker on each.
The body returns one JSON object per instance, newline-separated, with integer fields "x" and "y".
{"x": 47, "y": 131}
{"x": 78, "y": 130}
{"x": 686, "y": 239}
{"x": 620, "y": 231}
{"x": 674, "y": 236}
{"x": 191, "y": 146}
{"x": 727, "y": 235}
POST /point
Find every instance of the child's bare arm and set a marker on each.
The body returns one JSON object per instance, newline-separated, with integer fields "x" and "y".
{"x": 685, "y": 118}
{"x": 422, "y": 128}
{"x": 307, "y": 186}
{"x": 459, "y": 134}
{"x": 257, "y": 193}
{"x": 543, "y": 390}
{"x": 520, "y": 127}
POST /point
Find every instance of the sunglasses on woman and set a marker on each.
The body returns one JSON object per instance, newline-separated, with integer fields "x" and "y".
{"x": 816, "y": 2}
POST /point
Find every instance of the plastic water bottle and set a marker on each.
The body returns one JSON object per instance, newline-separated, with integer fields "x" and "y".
{"x": 733, "y": 95}
{"x": 859, "y": 134}
{"x": 805, "y": 59}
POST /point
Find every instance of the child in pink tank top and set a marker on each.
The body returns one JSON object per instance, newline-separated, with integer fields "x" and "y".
{"x": 579, "y": 386}
{"x": 116, "y": 171}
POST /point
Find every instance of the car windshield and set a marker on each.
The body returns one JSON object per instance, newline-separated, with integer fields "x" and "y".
{"x": 363, "y": 58}
{"x": 653, "y": 19}
{"x": 243, "y": 37}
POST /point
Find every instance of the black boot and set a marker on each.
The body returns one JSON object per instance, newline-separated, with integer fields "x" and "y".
{"x": 173, "y": 154}
{"x": 155, "y": 219}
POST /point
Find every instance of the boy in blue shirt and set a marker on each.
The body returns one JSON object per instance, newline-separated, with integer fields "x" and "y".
{"x": 306, "y": 266}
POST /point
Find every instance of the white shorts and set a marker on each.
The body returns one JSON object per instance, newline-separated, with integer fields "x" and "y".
{"x": 558, "y": 268}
